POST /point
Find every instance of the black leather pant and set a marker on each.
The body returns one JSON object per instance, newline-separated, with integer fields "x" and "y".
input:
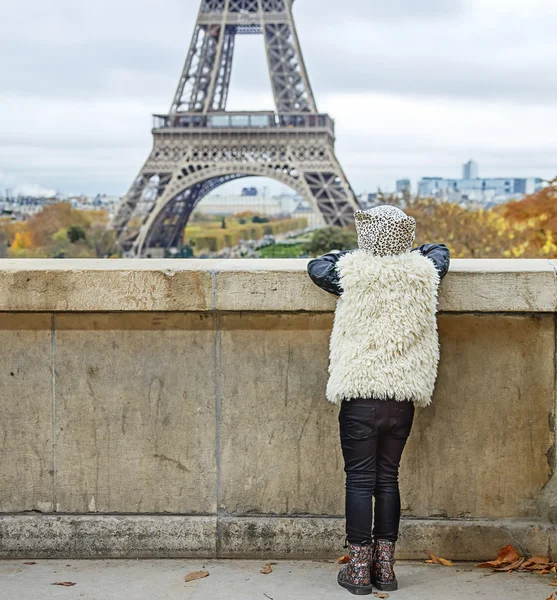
{"x": 373, "y": 434}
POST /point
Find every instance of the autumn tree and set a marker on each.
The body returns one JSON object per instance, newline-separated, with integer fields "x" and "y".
{"x": 59, "y": 231}
{"x": 76, "y": 233}
{"x": 51, "y": 219}
{"x": 331, "y": 238}
{"x": 102, "y": 240}
{"x": 535, "y": 219}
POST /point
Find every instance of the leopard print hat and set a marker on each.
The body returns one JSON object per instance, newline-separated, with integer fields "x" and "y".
{"x": 385, "y": 230}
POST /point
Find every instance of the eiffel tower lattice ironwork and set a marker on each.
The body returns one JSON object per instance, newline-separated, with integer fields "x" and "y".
{"x": 199, "y": 145}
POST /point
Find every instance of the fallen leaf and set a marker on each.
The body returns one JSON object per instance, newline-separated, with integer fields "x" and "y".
{"x": 30, "y": 563}
{"x": 513, "y": 566}
{"x": 535, "y": 562}
{"x": 430, "y": 562}
{"x": 343, "y": 560}
{"x": 381, "y": 595}
{"x": 543, "y": 572}
{"x": 195, "y": 576}
{"x": 506, "y": 556}
{"x": 266, "y": 569}
{"x": 64, "y": 583}
{"x": 553, "y": 583}
{"x": 552, "y": 597}
{"x": 440, "y": 561}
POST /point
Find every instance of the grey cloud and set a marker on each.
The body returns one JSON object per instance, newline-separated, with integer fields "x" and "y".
{"x": 110, "y": 71}
{"x": 386, "y": 9}
{"x": 374, "y": 70}
{"x": 346, "y": 49}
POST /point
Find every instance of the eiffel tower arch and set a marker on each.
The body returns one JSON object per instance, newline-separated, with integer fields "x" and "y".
{"x": 199, "y": 145}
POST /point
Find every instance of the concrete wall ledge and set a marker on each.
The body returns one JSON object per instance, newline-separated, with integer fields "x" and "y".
{"x": 159, "y": 536}
{"x": 171, "y": 408}
{"x": 50, "y": 285}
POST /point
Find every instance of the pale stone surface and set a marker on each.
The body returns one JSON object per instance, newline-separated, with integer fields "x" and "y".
{"x": 499, "y": 285}
{"x": 139, "y": 416}
{"x": 481, "y": 285}
{"x": 477, "y": 452}
{"x": 481, "y": 449}
{"x": 280, "y": 451}
{"x": 26, "y": 413}
{"x": 106, "y": 536}
{"x": 301, "y": 537}
{"x": 475, "y": 539}
{"x": 90, "y": 285}
{"x": 268, "y": 285}
{"x": 547, "y": 502}
{"x": 135, "y": 413}
{"x": 281, "y": 537}
{"x": 241, "y": 580}
{"x": 262, "y": 537}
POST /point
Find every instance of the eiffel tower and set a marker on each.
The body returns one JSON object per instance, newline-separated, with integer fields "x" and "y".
{"x": 199, "y": 145}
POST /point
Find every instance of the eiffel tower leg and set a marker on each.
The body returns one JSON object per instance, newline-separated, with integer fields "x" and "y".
{"x": 136, "y": 206}
{"x": 329, "y": 193}
{"x": 165, "y": 229}
{"x": 289, "y": 79}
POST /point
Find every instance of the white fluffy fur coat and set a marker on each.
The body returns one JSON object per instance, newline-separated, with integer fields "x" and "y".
{"x": 384, "y": 342}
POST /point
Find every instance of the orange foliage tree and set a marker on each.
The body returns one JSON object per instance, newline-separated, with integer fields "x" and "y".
{"x": 22, "y": 241}
{"x": 522, "y": 229}
{"x": 52, "y": 233}
{"x": 45, "y": 224}
{"x": 536, "y": 218}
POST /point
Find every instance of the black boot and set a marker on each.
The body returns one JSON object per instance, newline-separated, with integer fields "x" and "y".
{"x": 382, "y": 566}
{"x": 355, "y": 576}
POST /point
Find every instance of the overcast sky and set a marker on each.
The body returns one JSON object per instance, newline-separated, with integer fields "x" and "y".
{"x": 416, "y": 87}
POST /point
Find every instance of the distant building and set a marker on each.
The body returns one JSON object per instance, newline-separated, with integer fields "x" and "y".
{"x": 230, "y": 204}
{"x": 368, "y": 201}
{"x": 487, "y": 190}
{"x": 403, "y": 186}
{"x": 22, "y": 207}
{"x": 305, "y": 210}
{"x": 470, "y": 170}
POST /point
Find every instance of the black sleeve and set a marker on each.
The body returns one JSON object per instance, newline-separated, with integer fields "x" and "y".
{"x": 439, "y": 254}
{"x": 323, "y": 272}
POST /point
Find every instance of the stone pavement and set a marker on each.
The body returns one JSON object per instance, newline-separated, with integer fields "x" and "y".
{"x": 241, "y": 580}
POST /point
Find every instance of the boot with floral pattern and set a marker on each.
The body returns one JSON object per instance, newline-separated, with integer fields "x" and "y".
{"x": 355, "y": 576}
{"x": 382, "y": 571}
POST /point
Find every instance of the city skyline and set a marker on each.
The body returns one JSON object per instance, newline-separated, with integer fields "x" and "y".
{"x": 79, "y": 121}
{"x": 275, "y": 189}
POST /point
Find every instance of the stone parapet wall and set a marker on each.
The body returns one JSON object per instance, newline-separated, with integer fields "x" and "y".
{"x": 177, "y": 408}
{"x": 281, "y": 285}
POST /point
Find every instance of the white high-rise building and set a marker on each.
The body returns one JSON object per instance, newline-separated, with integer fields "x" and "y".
{"x": 470, "y": 170}
{"x": 404, "y": 186}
